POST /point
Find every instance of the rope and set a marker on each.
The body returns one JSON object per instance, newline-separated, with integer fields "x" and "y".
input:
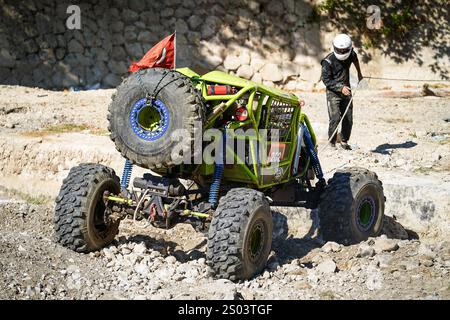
{"x": 400, "y": 79}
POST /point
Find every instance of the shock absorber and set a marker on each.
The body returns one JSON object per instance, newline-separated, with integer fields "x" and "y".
{"x": 126, "y": 175}
{"x": 218, "y": 174}
{"x": 312, "y": 153}
{"x": 215, "y": 185}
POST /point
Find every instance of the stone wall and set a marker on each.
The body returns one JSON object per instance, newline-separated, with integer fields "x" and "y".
{"x": 261, "y": 40}
{"x": 269, "y": 41}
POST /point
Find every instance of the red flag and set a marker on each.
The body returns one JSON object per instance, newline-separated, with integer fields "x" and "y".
{"x": 162, "y": 55}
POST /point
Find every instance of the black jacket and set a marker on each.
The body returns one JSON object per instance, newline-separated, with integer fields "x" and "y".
{"x": 335, "y": 73}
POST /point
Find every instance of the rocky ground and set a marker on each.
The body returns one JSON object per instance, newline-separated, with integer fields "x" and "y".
{"x": 400, "y": 135}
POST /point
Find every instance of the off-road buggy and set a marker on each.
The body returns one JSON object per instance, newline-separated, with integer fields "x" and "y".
{"x": 230, "y": 200}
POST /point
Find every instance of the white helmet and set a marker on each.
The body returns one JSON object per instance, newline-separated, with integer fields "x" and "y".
{"x": 342, "y": 46}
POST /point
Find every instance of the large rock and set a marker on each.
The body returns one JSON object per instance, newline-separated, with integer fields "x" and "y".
{"x": 257, "y": 64}
{"x": 232, "y": 62}
{"x": 137, "y": 5}
{"x": 75, "y": 46}
{"x": 99, "y": 54}
{"x": 166, "y": 13}
{"x": 129, "y": 15}
{"x": 145, "y": 36}
{"x": 30, "y": 46}
{"x": 275, "y": 7}
{"x": 6, "y": 59}
{"x": 130, "y": 33}
{"x": 331, "y": 246}
{"x": 271, "y": 72}
{"x": 195, "y": 21}
{"x": 118, "y": 53}
{"x": 257, "y": 78}
{"x": 290, "y": 69}
{"x": 182, "y": 13}
{"x": 181, "y": 26}
{"x": 210, "y": 27}
{"x": 117, "y": 26}
{"x": 118, "y": 67}
{"x": 135, "y": 50}
{"x": 365, "y": 251}
{"x": 245, "y": 71}
{"x": 326, "y": 266}
{"x": 244, "y": 57}
{"x": 43, "y": 23}
{"x": 383, "y": 244}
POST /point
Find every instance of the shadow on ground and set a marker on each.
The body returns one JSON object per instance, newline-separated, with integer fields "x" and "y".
{"x": 289, "y": 247}
{"x": 387, "y": 148}
{"x": 164, "y": 247}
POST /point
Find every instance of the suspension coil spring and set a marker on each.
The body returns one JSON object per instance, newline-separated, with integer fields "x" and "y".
{"x": 215, "y": 185}
{"x": 126, "y": 176}
{"x": 218, "y": 173}
{"x": 313, "y": 154}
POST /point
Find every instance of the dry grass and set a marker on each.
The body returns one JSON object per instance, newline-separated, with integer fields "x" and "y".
{"x": 439, "y": 85}
{"x": 65, "y": 128}
{"x": 327, "y": 295}
{"x": 28, "y": 198}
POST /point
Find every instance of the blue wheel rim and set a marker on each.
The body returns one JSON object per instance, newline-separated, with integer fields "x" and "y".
{"x": 159, "y": 130}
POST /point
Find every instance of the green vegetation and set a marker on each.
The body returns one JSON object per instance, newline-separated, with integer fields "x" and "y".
{"x": 406, "y": 27}
{"x": 65, "y": 128}
{"x": 28, "y": 198}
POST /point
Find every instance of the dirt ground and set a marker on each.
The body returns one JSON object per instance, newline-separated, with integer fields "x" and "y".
{"x": 401, "y": 135}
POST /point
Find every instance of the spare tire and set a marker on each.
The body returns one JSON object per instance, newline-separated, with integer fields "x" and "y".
{"x": 143, "y": 133}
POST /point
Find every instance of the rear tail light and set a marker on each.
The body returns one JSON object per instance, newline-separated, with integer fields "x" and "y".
{"x": 241, "y": 114}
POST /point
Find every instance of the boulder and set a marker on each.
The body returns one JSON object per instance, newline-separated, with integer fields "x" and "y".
{"x": 118, "y": 67}
{"x": 244, "y": 57}
{"x": 195, "y": 21}
{"x": 135, "y": 50}
{"x": 383, "y": 244}
{"x": 168, "y": 12}
{"x": 271, "y": 72}
{"x": 136, "y": 5}
{"x": 365, "y": 251}
{"x": 6, "y": 59}
{"x": 232, "y": 62}
{"x": 275, "y": 7}
{"x": 257, "y": 78}
{"x": 182, "y": 13}
{"x": 245, "y": 71}
{"x": 327, "y": 266}
{"x": 75, "y": 46}
{"x": 331, "y": 246}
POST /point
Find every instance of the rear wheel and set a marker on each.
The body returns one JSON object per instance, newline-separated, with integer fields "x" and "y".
{"x": 240, "y": 235}
{"x": 82, "y": 220}
{"x": 352, "y": 206}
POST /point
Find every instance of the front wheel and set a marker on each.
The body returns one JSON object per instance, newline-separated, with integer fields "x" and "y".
{"x": 82, "y": 220}
{"x": 352, "y": 206}
{"x": 240, "y": 235}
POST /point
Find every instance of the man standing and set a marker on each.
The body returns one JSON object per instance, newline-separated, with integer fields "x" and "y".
{"x": 336, "y": 77}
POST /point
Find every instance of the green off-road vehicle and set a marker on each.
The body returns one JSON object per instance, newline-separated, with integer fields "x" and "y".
{"x": 221, "y": 150}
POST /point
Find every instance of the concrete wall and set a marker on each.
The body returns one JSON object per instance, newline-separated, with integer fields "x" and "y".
{"x": 268, "y": 41}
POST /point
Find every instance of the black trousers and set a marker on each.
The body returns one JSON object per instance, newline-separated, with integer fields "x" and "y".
{"x": 336, "y": 108}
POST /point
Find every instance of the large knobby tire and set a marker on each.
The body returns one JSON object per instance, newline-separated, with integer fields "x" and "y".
{"x": 144, "y": 134}
{"x": 240, "y": 235}
{"x": 352, "y": 206}
{"x": 80, "y": 220}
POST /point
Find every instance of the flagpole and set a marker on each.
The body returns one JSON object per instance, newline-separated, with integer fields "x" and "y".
{"x": 175, "y": 53}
